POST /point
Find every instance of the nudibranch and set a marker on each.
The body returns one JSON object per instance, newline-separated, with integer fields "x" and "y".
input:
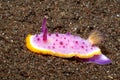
{"x": 66, "y": 45}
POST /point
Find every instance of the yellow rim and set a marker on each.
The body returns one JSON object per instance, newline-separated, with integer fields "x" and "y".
{"x": 50, "y": 52}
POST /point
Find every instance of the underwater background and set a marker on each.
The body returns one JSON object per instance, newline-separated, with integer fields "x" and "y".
{"x": 18, "y": 18}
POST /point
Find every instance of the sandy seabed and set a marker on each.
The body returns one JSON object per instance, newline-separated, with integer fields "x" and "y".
{"x": 18, "y": 18}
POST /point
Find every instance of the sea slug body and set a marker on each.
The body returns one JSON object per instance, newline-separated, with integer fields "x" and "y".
{"x": 66, "y": 45}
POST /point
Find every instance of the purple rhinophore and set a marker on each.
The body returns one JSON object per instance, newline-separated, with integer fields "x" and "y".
{"x": 44, "y": 25}
{"x": 44, "y": 30}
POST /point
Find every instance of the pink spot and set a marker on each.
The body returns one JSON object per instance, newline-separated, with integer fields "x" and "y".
{"x": 63, "y": 46}
{"x": 56, "y": 40}
{"x": 48, "y": 46}
{"x": 57, "y": 34}
{"x": 49, "y": 34}
{"x": 82, "y": 47}
{"x": 93, "y": 45}
{"x": 64, "y": 37}
{"x": 76, "y": 42}
{"x": 38, "y": 39}
{"x": 53, "y": 47}
{"x": 68, "y": 40}
{"x": 83, "y": 42}
{"x": 61, "y": 43}
{"x": 36, "y": 35}
{"x": 67, "y": 33}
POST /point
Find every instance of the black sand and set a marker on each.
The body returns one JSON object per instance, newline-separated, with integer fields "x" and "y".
{"x": 21, "y": 17}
